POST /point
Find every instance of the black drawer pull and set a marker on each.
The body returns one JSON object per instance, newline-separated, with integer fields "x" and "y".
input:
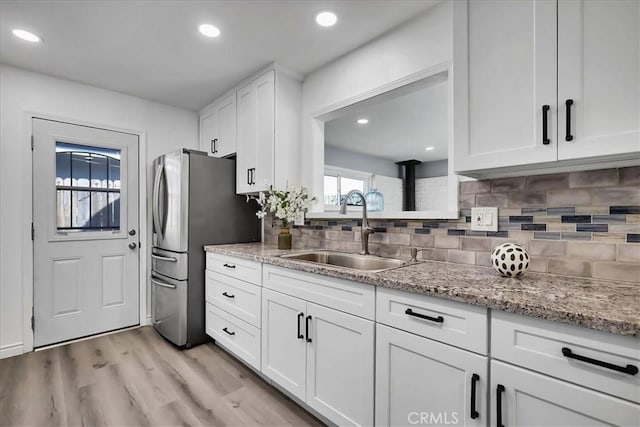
{"x": 499, "y": 391}
{"x": 474, "y": 379}
{"x": 249, "y": 176}
{"x": 568, "y": 103}
{"x": 228, "y": 295}
{"x": 300, "y": 316}
{"x": 410, "y": 312}
{"x": 214, "y": 145}
{"x": 227, "y": 331}
{"x": 228, "y": 265}
{"x": 307, "y": 328}
{"x": 545, "y": 136}
{"x": 629, "y": 369}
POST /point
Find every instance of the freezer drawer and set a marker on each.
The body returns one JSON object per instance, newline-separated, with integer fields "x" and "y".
{"x": 171, "y": 264}
{"x": 169, "y": 308}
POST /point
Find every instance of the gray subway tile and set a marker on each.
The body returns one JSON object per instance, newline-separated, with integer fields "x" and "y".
{"x": 616, "y": 196}
{"x": 497, "y": 234}
{"x": 594, "y": 228}
{"x": 610, "y": 219}
{"x": 471, "y": 187}
{"x": 475, "y": 233}
{"x": 624, "y": 210}
{"x": 569, "y": 198}
{"x": 594, "y": 178}
{"x": 548, "y": 182}
{"x": 546, "y": 235}
{"x": 492, "y": 199}
{"x": 633, "y": 238}
{"x": 561, "y": 211}
{"x": 523, "y": 199}
{"x": 422, "y": 230}
{"x": 521, "y": 219}
{"x": 454, "y": 232}
{"x": 575, "y": 219}
{"x": 630, "y": 176}
{"x": 533, "y": 227}
{"x": 569, "y": 235}
{"x": 506, "y": 185}
{"x": 534, "y": 211}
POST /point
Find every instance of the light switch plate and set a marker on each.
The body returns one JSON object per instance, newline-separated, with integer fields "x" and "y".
{"x": 484, "y": 219}
{"x": 299, "y": 220}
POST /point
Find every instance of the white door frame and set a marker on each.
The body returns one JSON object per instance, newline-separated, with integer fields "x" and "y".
{"x": 27, "y": 203}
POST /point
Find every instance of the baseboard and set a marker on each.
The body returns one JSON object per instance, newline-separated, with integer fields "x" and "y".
{"x": 147, "y": 321}
{"x": 11, "y": 350}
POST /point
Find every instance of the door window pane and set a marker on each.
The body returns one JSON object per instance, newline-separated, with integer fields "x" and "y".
{"x": 88, "y": 188}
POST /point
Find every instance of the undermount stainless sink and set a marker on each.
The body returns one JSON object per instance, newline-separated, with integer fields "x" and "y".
{"x": 370, "y": 263}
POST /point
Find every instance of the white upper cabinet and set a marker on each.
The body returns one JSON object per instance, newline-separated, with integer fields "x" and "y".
{"x": 599, "y": 72}
{"x": 269, "y": 132}
{"x": 218, "y": 127}
{"x": 509, "y": 77}
{"x": 516, "y": 63}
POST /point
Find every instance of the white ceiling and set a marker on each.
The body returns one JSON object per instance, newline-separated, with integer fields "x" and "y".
{"x": 400, "y": 126}
{"x": 152, "y": 49}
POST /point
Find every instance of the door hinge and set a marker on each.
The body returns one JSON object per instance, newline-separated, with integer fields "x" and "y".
{"x": 33, "y": 232}
{"x": 31, "y": 142}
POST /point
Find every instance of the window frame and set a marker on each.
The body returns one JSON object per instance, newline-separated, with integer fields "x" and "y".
{"x": 340, "y": 172}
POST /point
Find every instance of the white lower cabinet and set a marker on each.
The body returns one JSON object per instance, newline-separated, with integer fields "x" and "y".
{"x": 524, "y": 398}
{"x": 423, "y": 382}
{"x": 322, "y": 356}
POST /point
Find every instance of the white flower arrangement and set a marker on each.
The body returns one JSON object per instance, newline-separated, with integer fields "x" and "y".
{"x": 284, "y": 204}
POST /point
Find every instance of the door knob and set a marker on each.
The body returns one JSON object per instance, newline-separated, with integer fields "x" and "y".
{"x": 132, "y": 245}
{"x": 132, "y": 232}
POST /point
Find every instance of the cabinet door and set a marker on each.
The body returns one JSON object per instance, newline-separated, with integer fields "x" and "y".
{"x": 246, "y": 139}
{"x": 505, "y": 72}
{"x": 340, "y": 360}
{"x": 283, "y": 341}
{"x": 265, "y": 130}
{"x": 208, "y": 131}
{"x": 420, "y": 381}
{"x": 531, "y": 399}
{"x": 226, "y": 112}
{"x": 599, "y": 70}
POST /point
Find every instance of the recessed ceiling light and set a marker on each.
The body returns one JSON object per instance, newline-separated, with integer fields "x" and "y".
{"x": 26, "y": 35}
{"x": 209, "y": 30}
{"x": 362, "y": 121}
{"x": 326, "y": 19}
{"x": 429, "y": 148}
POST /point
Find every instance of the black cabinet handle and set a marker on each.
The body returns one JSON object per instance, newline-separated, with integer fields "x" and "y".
{"x": 300, "y": 316}
{"x": 307, "y": 328}
{"x": 629, "y": 369}
{"x": 568, "y": 103}
{"x": 545, "y": 136}
{"x": 228, "y": 295}
{"x": 410, "y": 312}
{"x": 228, "y": 265}
{"x": 227, "y": 331}
{"x": 214, "y": 145}
{"x": 249, "y": 176}
{"x": 499, "y": 391}
{"x": 253, "y": 176}
{"x": 474, "y": 379}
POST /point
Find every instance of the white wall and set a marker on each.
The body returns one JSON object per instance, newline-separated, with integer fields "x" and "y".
{"x": 166, "y": 128}
{"x": 422, "y": 43}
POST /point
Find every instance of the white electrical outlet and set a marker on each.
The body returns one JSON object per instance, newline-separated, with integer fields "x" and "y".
{"x": 299, "y": 219}
{"x": 484, "y": 219}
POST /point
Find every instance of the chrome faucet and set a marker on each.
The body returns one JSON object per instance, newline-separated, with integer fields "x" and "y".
{"x": 365, "y": 229}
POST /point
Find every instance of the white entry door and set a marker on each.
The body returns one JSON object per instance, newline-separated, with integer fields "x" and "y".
{"x": 85, "y": 214}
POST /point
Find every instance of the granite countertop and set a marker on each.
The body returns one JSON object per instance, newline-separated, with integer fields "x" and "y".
{"x": 597, "y": 304}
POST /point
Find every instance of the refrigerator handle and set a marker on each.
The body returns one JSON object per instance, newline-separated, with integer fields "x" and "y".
{"x": 155, "y": 207}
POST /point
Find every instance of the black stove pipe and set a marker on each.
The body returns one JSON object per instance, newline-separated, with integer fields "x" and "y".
{"x": 409, "y": 183}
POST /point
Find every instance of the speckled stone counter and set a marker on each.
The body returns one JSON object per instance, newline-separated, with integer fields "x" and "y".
{"x": 597, "y": 304}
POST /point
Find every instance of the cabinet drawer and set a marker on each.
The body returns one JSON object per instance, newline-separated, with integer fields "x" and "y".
{"x": 351, "y": 297}
{"x": 237, "y": 336}
{"x": 238, "y": 268}
{"x": 242, "y": 299}
{"x": 461, "y": 325}
{"x": 538, "y": 344}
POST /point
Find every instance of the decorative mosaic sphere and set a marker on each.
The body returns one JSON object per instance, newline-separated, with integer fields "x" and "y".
{"x": 510, "y": 259}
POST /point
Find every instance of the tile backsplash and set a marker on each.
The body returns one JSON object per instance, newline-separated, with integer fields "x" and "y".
{"x": 578, "y": 224}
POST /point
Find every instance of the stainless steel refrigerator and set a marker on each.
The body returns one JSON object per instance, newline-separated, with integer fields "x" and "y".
{"x": 194, "y": 204}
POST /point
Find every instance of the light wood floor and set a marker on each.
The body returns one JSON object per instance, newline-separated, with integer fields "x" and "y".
{"x": 136, "y": 378}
